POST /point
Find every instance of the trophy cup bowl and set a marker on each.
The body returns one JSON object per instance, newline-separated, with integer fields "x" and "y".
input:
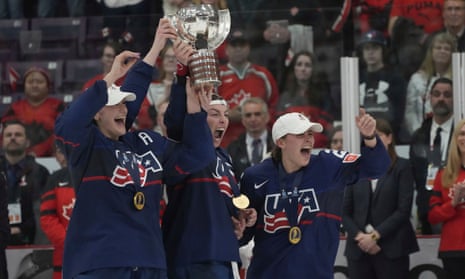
{"x": 205, "y": 28}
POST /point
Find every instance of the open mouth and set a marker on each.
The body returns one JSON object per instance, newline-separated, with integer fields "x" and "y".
{"x": 219, "y": 133}
{"x": 305, "y": 151}
{"x": 120, "y": 120}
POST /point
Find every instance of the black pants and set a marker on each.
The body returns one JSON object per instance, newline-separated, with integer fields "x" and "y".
{"x": 454, "y": 268}
{"x": 379, "y": 267}
{"x": 3, "y": 266}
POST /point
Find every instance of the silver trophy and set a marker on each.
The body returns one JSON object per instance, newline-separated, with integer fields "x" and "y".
{"x": 205, "y": 28}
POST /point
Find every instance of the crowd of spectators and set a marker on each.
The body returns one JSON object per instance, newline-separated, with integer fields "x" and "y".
{"x": 276, "y": 32}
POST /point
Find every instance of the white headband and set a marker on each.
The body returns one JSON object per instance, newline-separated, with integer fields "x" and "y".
{"x": 218, "y": 102}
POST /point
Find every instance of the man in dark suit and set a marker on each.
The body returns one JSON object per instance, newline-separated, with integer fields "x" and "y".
{"x": 252, "y": 146}
{"x": 4, "y": 225}
{"x": 429, "y": 146}
{"x": 25, "y": 180}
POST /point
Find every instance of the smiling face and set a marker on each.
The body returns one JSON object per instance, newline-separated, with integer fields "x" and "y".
{"x": 454, "y": 13}
{"x": 296, "y": 150}
{"x": 441, "y": 53}
{"x": 111, "y": 120}
{"x": 218, "y": 122}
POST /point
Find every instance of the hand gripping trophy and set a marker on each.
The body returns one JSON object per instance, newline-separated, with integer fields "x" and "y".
{"x": 205, "y": 28}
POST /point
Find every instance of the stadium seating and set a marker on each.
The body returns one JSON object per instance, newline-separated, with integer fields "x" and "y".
{"x": 61, "y": 38}
{"x": 93, "y": 37}
{"x": 10, "y": 30}
{"x": 78, "y": 71}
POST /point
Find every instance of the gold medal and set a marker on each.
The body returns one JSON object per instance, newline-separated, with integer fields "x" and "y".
{"x": 241, "y": 201}
{"x": 139, "y": 200}
{"x": 295, "y": 234}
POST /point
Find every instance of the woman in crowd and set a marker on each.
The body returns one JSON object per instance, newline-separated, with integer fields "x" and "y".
{"x": 37, "y": 110}
{"x": 302, "y": 92}
{"x": 336, "y": 138}
{"x": 447, "y": 205}
{"x": 376, "y": 216}
{"x": 437, "y": 63}
{"x": 159, "y": 89}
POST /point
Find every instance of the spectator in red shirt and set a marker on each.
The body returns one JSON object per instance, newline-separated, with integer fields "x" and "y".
{"x": 372, "y": 14}
{"x": 56, "y": 206}
{"x": 425, "y": 14}
{"x": 37, "y": 111}
{"x": 447, "y": 206}
{"x": 241, "y": 79}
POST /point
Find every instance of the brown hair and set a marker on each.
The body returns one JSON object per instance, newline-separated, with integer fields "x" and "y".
{"x": 384, "y": 127}
{"x": 161, "y": 70}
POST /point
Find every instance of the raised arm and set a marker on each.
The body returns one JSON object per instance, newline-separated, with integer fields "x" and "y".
{"x": 375, "y": 158}
{"x": 367, "y": 126}
{"x": 121, "y": 65}
{"x": 197, "y": 149}
{"x": 139, "y": 77}
{"x": 174, "y": 115}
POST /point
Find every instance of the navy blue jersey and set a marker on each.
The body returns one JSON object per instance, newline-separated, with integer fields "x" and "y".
{"x": 197, "y": 224}
{"x": 106, "y": 230}
{"x": 320, "y": 194}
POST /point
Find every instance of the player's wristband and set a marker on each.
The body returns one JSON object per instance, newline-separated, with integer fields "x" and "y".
{"x": 181, "y": 70}
{"x": 369, "y": 137}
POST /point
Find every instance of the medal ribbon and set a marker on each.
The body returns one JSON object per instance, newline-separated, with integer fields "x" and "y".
{"x": 129, "y": 161}
{"x": 291, "y": 202}
{"x": 236, "y": 192}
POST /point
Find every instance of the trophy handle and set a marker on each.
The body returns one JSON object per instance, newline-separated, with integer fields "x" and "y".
{"x": 224, "y": 26}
